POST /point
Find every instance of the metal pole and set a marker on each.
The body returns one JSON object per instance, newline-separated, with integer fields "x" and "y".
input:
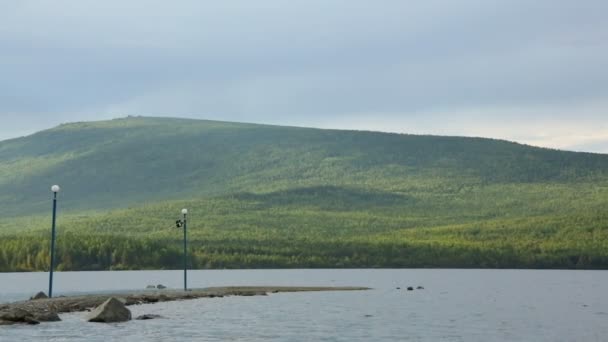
{"x": 52, "y": 246}
{"x": 185, "y": 256}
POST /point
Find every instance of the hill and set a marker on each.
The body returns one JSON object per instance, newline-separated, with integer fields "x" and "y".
{"x": 270, "y": 196}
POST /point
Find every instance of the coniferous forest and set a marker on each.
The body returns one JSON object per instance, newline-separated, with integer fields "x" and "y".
{"x": 285, "y": 197}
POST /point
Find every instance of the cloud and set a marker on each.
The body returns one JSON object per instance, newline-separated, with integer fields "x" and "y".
{"x": 308, "y": 62}
{"x": 528, "y": 125}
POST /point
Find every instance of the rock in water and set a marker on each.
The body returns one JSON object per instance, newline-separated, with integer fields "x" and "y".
{"x": 39, "y": 295}
{"x": 112, "y": 310}
{"x": 161, "y": 286}
{"x": 150, "y": 287}
{"x": 409, "y": 288}
{"x": 47, "y": 316}
{"x": 148, "y": 316}
{"x": 17, "y": 316}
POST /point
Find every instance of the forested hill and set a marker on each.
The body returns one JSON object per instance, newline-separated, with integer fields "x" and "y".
{"x": 271, "y": 196}
{"x": 111, "y": 164}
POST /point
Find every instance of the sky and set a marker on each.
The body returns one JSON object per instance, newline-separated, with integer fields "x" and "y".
{"x": 534, "y": 72}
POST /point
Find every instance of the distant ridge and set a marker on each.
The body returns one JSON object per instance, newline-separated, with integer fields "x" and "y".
{"x": 120, "y": 162}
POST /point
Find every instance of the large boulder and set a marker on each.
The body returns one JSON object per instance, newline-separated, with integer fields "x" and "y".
{"x": 112, "y": 310}
{"x": 17, "y": 316}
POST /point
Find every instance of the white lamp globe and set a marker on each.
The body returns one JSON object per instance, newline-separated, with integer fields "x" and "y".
{"x": 55, "y": 188}
{"x": 184, "y": 211}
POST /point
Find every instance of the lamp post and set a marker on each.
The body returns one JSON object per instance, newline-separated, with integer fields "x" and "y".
{"x": 185, "y": 213}
{"x": 55, "y": 189}
{"x": 180, "y": 224}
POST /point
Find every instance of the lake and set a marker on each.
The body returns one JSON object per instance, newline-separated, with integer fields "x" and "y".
{"x": 455, "y": 305}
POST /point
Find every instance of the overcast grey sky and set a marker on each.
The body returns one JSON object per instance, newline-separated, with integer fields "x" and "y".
{"x": 530, "y": 71}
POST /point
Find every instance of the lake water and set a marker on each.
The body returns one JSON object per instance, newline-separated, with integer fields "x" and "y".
{"x": 456, "y": 305}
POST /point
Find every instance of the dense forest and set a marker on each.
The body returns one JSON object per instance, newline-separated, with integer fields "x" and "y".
{"x": 272, "y": 197}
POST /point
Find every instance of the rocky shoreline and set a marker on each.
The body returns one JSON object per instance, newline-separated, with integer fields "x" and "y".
{"x": 35, "y": 311}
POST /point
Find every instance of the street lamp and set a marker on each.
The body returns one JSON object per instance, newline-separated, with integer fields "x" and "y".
{"x": 183, "y": 222}
{"x": 55, "y": 189}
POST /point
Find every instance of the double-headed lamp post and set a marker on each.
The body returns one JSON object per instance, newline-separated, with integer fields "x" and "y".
{"x": 185, "y": 213}
{"x": 55, "y": 189}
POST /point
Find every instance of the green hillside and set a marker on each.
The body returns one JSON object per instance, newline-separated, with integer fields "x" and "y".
{"x": 270, "y": 196}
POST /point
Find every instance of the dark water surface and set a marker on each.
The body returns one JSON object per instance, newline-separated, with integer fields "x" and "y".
{"x": 456, "y": 305}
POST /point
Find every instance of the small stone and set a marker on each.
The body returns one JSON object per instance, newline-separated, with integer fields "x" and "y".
{"x": 48, "y": 316}
{"x": 31, "y": 321}
{"x": 420, "y": 288}
{"x": 148, "y": 316}
{"x": 150, "y": 299}
{"x": 161, "y": 286}
{"x": 409, "y": 288}
{"x": 250, "y": 293}
{"x": 39, "y": 295}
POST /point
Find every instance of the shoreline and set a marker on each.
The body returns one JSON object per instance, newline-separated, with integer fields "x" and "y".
{"x": 44, "y": 309}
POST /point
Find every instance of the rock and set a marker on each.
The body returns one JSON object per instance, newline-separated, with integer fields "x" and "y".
{"x": 150, "y": 287}
{"x": 161, "y": 286}
{"x": 148, "y": 316}
{"x": 10, "y": 323}
{"x": 398, "y": 288}
{"x": 47, "y": 316}
{"x": 78, "y": 306}
{"x": 249, "y": 293}
{"x": 409, "y": 288}
{"x": 17, "y": 316}
{"x": 39, "y": 295}
{"x": 151, "y": 299}
{"x": 31, "y": 321}
{"x": 420, "y": 288}
{"x": 132, "y": 300}
{"x": 112, "y": 310}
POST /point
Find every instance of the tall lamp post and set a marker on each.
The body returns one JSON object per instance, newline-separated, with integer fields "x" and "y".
{"x": 55, "y": 189}
{"x": 183, "y": 223}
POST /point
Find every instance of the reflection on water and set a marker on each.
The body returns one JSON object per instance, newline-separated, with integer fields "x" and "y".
{"x": 456, "y": 305}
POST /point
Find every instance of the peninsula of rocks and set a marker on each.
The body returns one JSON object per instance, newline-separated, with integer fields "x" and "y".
{"x": 41, "y": 309}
